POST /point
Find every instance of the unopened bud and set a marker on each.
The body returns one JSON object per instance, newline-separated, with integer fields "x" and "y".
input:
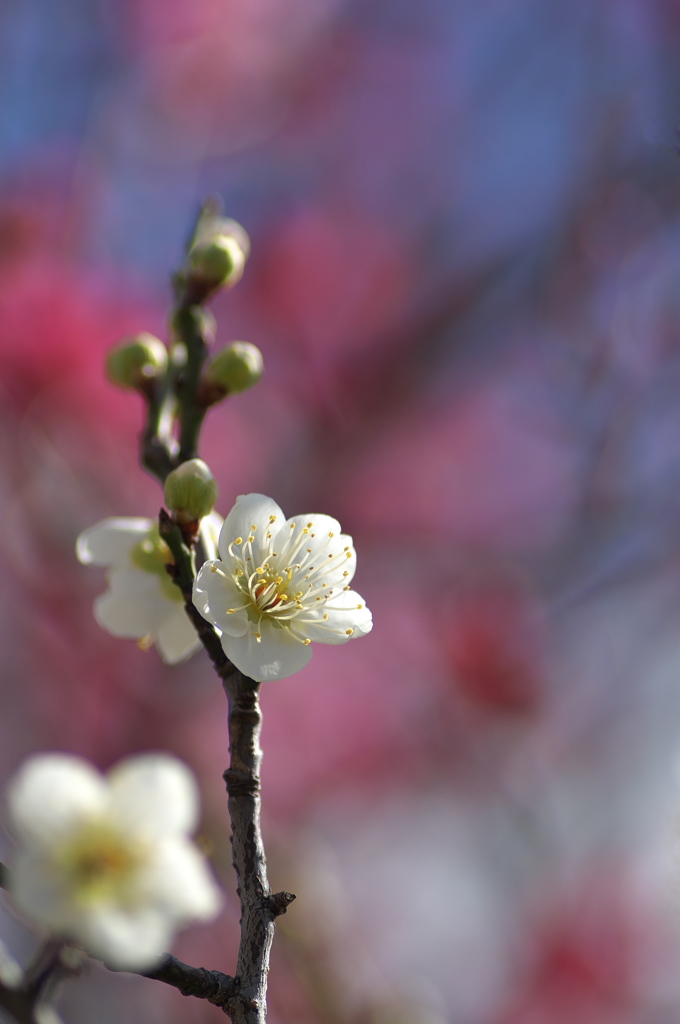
{"x": 234, "y": 368}
{"x": 136, "y": 361}
{"x": 215, "y": 263}
{"x": 210, "y": 227}
{"x": 191, "y": 491}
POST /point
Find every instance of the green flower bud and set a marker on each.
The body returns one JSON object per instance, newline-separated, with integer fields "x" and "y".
{"x": 210, "y": 226}
{"x": 217, "y": 262}
{"x": 234, "y": 369}
{"x": 191, "y": 491}
{"x": 136, "y": 361}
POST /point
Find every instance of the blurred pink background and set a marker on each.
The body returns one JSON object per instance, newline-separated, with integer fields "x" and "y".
{"x": 465, "y": 282}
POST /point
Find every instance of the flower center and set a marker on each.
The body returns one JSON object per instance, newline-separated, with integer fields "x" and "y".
{"x": 286, "y": 588}
{"x": 100, "y": 862}
{"x": 151, "y": 554}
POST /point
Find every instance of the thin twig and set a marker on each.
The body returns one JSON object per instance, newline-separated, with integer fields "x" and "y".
{"x": 259, "y": 907}
{"x": 243, "y": 997}
{"x": 214, "y": 986}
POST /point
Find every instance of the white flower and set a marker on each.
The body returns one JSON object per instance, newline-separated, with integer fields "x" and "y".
{"x": 142, "y": 601}
{"x": 107, "y": 861}
{"x": 279, "y": 585}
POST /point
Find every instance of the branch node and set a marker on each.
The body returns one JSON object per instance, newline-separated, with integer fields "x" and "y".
{"x": 278, "y": 902}
{"x": 240, "y": 783}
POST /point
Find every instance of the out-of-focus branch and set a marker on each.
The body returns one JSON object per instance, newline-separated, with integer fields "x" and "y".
{"x": 214, "y": 986}
{"x": 26, "y": 997}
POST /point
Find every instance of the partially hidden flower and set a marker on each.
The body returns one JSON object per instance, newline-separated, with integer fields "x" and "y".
{"x": 142, "y": 602}
{"x": 106, "y": 861}
{"x": 278, "y": 585}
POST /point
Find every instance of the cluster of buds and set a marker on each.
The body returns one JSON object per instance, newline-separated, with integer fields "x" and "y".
{"x": 215, "y": 260}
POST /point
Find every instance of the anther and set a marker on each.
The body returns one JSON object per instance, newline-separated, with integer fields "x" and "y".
{"x": 325, "y": 618}
{"x": 346, "y": 572}
{"x": 346, "y": 588}
{"x": 272, "y": 519}
{"x": 330, "y": 556}
{"x": 213, "y": 568}
{"x": 253, "y": 527}
{"x": 239, "y": 540}
{"x": 306, "y": 642}
{"x": 310, "y": 525}
{"x": 258, "y": 637}
{"x": 292, "y": 526}
{"x": 331, "y": 534}
{"x": 305, "y": 530}
{"x": 359, "y": 607}
{"x": 347, "y": 631}
{"x": 349, "y": 554}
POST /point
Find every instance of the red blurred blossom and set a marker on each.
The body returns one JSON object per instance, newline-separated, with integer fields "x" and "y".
{"x": 492, "y": 636}
{"x": 332, "y": 283}
{"x": 483, "y": 470}
{"x": 590, "y": 956}
{"x": 214, "y": 76}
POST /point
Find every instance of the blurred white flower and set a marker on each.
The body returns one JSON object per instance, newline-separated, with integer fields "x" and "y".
{"x": 142, "y": 602}
{"x": 107, "y": 862}
{"x": 278, "y": 585}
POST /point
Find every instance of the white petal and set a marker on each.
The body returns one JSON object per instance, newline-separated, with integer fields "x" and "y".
{"x": 50, "y": 794}
{"x": 179, "y": 882}
{"x": 330, "y": 558}
{"x": 251, "y": 510}
{"x": 211, "y": 527}
{"x": 126, "y": 938}
{"x": 346, "y": 612}
{"x": 40, "y": 890}
{"x": 320, "y": 527}
{"x": 134, "y": 605}
{"x": 176, "y": 638}
{"x": 110, "y": 541}
{"x": 276, "y": 656}
{"x": 214, "y": 593}
{"x": 153, "y": 795}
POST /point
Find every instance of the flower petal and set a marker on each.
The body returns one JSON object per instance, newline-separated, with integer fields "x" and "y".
{"x": 134, "y": 605}
{"x": 153, "y": 794}
{"x": 179, "y": 881}
{"x": 211, "y": 527}
{"x": 40, "y": 890}
{"x": 215, "y": 593}
{"x": 250, "y": 510}
{"x": 110, "y": 541}
{"x": 125, "y": 938}
{"x": 277, "y": 655}
{"x": 348, "y": 617}
{"x": 51, "y": 794}
{"x": 176, "y": 638}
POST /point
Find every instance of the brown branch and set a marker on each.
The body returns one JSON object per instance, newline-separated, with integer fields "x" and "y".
{"x": 214, "y": 986}
{"x": 26, "y": 997}
{"x": 243, "y": 997}
{"x": 259, "y": 907}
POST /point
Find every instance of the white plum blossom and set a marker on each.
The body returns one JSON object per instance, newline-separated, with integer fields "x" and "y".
{"x": 106, "y": 861}
{"x": 142, "y": 602}
{"x": 278, "y": 585}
